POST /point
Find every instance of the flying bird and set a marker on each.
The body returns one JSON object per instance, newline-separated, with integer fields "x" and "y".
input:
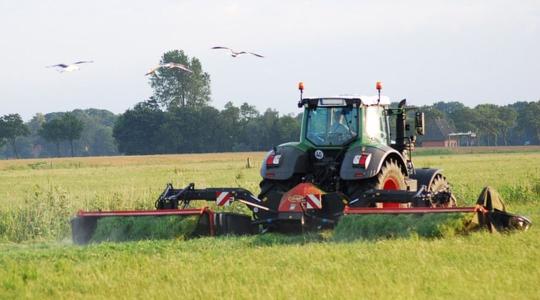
{"x": 236, "y": 53}
{"x": 169, "y": 66}
{"x": 71, "y": 67}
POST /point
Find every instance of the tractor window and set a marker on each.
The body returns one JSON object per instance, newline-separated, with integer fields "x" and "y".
{"x": 332, "y": 126}
{"x": 375, "y": 124}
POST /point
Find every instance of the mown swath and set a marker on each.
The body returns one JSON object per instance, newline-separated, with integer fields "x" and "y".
{"x": 119, "y": 229}
{"x": 373, "y": 227}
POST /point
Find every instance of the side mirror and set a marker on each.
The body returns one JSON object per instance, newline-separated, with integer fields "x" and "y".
{"x": 419, "y": 123}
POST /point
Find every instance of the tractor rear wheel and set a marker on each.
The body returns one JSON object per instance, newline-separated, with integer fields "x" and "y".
{"x": 389, "y": 178}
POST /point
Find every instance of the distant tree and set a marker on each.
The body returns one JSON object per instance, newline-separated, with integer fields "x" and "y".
{"x": 2, "y": 142}
{"x": 52, "y": 132}
{"x": 489, "y": 124}
{"x": 448, "y": 108}
{"x": 530, "y": 120}
{"x": 248, "y": 112}
{"x": 72, "y": 128}
{"x": 178, "y": 88}
{"x": 465, "y": 119}
{"x": 229, "y": 127}
{"x": 507, "y": 117}
{"x": 288, "y": 129}
{"x": 12, "y": 127}
{"x": 137, "y": 130}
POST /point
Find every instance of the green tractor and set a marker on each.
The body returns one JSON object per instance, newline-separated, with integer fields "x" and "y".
{"x": 346, "y": 149}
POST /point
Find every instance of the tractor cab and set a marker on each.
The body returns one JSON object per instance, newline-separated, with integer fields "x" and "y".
{"x": 336, "y": 122}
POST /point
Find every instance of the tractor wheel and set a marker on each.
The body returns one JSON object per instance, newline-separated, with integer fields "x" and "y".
{"x": 442, "y": 196}
{"x": 390, "y": 178}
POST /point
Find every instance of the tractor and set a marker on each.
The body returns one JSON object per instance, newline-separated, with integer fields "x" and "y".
{"x": 349, "y": 160}
{"x": 346, "y": 149}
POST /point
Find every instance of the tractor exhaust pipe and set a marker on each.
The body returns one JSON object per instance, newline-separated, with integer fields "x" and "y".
{"x": 401, "y": 126}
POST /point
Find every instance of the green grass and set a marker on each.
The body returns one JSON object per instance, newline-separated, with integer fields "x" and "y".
{"x": 420, "y": 260}
{"x": 375, "y": 227}
{"x": 121, "y": 229}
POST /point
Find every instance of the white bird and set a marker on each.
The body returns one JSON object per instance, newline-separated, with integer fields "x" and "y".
{"x": 71, "y": 67}
{"x": 236, "y": 53}
{"x": 170, "y": 65}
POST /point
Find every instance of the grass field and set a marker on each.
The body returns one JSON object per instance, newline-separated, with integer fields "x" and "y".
{"x": 37, "y": 259}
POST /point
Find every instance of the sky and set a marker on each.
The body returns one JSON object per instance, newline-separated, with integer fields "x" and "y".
{"x": 483, "y": 51}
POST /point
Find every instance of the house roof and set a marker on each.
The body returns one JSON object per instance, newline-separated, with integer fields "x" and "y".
{"x": 437, "y": 130}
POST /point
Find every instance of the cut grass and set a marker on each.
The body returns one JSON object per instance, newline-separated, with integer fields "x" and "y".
{"x": 375, "y": 227}
{"x": 121, "y": 229}
{"x": 479, "y": 265}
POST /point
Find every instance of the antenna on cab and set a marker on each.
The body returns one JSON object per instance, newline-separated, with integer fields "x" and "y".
{"x": 378, "y": 86}
{"x": 301, "y": 88}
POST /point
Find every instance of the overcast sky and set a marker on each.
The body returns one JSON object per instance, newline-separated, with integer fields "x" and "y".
{"x": 425, "y": 51}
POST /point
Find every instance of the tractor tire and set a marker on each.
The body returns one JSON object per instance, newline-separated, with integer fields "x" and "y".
{"x": 438, "y": 186}
{"x": 389, "y": 178}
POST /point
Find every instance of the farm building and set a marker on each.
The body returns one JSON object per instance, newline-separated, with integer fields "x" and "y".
{"x": 439, "y": 134}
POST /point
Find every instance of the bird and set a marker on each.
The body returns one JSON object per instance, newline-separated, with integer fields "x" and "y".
{"x": 71, "y": 67}
{"x": 170, "y": 65}
{"x": 236, "y": 53}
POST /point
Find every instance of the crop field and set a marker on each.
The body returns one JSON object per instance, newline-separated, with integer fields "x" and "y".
{"x": 38, "y": 259}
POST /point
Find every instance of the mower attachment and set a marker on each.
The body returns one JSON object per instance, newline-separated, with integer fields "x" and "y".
{"x": 84, "y": 224}
{"x": 303, "y": 207}
{"x": 175, "y": 202}
{"x": 490, "y": 211}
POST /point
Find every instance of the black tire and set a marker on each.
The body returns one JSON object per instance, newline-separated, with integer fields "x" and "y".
{"x": 390, "y": 171}
{"x": 442, "y": 195}
{"x": 390, "y": 177}
{"x": 233, "y": 224}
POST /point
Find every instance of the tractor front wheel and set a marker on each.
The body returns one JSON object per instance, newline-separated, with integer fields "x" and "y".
{"x": 441, "y": 194}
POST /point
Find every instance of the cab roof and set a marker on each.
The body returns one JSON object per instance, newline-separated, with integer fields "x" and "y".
{"x": 346, "y": 100}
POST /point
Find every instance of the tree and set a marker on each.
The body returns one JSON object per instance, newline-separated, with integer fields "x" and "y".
{"x": 2, "y": 142}
{"x": 136, "y": 131}
{"x": 531, "y": 121}
{"x": 51, "y": 131}
{"x": 178, "y": 88}
{"x": 71, "y": 129}
{"x": 229, "y": 127}
{"x": 64, "y": 128}
{"x": 489, "y": 123}
{"x": 508, "y": 118}
{"x": 448, "y": 108}
{"x": 248, "y": 112}
{"x": 12, "y": 127}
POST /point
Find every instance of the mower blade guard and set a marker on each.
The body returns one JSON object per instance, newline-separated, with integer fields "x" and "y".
{"x": 84, "y": 224}
{"x": 492, "y": 213}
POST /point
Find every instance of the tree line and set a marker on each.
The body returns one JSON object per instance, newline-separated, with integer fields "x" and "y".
{"x": 178, "y": 118}
{"x": 494, "y": 125}
{"x": 76, "y": 133}
{"x": 148, "y": 129}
